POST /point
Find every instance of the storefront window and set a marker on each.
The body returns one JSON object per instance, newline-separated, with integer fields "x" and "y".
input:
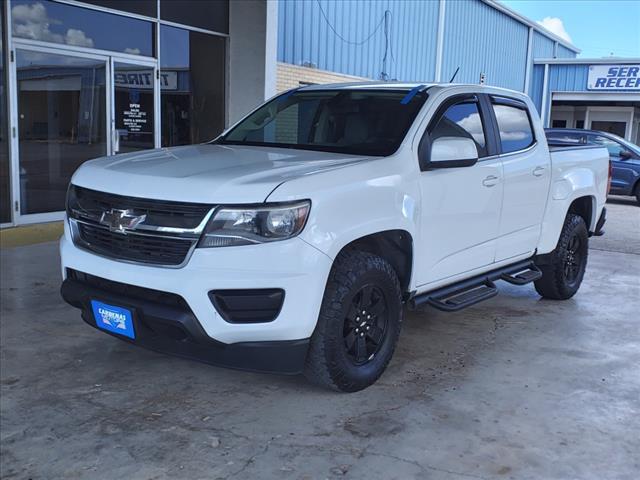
{"x": 5, "y": 197}
{"x": 148, "y": 8}
{"x": 48, "y": 21}
{"x": 210, "y": 15}
{"x": 192, "y": 86}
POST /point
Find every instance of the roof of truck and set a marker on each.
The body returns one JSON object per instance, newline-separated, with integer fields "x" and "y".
{"x": 397, "y": 86}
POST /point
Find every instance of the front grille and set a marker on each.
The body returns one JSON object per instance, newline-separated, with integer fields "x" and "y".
{"x": 166, "y": 236}
{"x": 152, "y": 249}
{"x": 161, "y": 213}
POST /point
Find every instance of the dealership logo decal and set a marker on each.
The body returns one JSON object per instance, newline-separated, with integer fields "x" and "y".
{"x": 113, "y": 319}
{"x": 121, "y": 220}
{"x": 614, "y": 77}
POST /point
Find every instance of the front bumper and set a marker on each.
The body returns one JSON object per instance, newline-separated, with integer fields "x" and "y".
{"x": 292, "y": 265}
{"x": 166, "y": 324}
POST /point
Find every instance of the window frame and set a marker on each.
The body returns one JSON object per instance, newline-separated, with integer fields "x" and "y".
{"x": 514, "y": 103}
{"x": 424, "y": 147}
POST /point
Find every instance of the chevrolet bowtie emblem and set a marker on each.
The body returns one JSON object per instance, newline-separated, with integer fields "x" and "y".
{"x": 121, "y": 220}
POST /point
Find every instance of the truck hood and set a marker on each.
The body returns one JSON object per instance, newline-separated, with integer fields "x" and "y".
{"x": 205, "y": 173}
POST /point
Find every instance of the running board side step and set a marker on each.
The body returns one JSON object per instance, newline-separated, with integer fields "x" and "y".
{"x": 474, "y": 290}
{"x": 530, "y": 274}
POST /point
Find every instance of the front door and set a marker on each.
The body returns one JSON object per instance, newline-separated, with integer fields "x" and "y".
{"x": 461, "y": 206}
{"x": 72, "y": 107}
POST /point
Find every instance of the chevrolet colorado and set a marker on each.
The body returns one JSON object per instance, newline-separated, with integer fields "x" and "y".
{"x": 293, "y": 242}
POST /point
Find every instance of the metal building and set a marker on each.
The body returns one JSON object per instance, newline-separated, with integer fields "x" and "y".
{"x": 486, "y": 42}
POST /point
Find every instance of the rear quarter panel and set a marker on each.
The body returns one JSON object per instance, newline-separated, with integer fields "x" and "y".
{"x": 576, "y": 173}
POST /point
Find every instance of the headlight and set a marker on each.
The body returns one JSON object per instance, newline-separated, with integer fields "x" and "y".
{"x": 231, "y": 226}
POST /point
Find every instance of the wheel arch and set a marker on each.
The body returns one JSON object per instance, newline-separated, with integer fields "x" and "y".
{"x": 585, "y": 206}
{"x": 395, "y": 246}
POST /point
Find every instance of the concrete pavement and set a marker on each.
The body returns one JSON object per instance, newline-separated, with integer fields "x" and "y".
{"x": 516, "y": 387}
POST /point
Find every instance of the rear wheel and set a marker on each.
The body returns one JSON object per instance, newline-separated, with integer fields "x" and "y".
{"x": 636, "y": 192}
{"x": 359, "y": 323}
{"x": 562, "y": 276}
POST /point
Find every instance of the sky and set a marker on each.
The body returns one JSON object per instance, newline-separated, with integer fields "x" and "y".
{"x": 597, "y": 27}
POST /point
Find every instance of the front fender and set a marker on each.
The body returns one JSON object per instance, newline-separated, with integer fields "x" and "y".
{"x": 349, "y": 203}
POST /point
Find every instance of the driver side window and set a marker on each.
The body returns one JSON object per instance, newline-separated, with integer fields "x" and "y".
{"x": 462, "y": 120}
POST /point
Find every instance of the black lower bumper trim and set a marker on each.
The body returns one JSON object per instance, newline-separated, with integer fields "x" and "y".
{"x": 174, "y": 329}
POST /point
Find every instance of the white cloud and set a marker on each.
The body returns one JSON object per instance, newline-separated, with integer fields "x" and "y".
{"x": 132, "y": 51}
{"x": 555, "y": 25}
{"x": 78, "y": 38}
{"x": 472, "y": 124}
{"x": 33, "y": 21}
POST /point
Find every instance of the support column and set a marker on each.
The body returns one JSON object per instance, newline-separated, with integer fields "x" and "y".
{"x": 253, "y": 32}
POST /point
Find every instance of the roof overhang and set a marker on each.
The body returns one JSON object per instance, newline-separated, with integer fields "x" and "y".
{"x": 587, "y": 61}
{"x": 596, "y": 96}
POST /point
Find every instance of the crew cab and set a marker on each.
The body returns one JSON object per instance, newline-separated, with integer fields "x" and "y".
{"x": 294, "y": 241}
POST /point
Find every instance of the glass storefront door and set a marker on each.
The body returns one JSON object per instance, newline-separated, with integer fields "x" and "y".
{"x": 62, "y": 122}
{"x": 133, "y": 107}
{"x": 72, "y": 108}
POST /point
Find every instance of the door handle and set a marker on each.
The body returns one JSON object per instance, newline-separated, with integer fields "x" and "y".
{"x": 490, "y": 181}
{"x": 538, "y": 171}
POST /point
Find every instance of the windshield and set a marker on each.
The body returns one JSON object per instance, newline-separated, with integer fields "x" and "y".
{"x": 358, "y": 122}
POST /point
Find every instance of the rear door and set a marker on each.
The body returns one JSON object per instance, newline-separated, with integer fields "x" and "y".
{"x": 527, "y": 174}
{"x": 460, "y": 206}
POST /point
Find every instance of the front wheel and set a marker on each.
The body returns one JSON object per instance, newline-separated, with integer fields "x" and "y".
{"x": 562, "y": 276}
{"x": 359, "y": 323}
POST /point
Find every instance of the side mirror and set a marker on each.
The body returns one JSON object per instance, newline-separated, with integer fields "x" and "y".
{"x": 452, "y": 152}
{"x": 625, "y": 155}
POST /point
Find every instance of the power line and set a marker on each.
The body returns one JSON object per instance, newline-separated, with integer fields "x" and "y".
{"x": 350, "y": 42}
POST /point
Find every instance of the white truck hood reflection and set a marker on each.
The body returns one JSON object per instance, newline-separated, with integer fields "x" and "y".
{"x": 205, "y": 173}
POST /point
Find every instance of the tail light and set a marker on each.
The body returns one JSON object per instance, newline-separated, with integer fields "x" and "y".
{"x": 610, "y": 175}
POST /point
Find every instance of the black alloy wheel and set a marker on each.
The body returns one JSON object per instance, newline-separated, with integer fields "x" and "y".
{"x": 365, "y": 324}
{"x": 573, "y": 259}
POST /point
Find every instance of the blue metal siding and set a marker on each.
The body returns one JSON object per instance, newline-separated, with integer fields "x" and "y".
{"x": 481, "y": 39}
{"x": 571, "y": 78}
{"x": 542, "y": 46}
{"x": 537, "y": 85}
{"x": 304, "y": 36}
{"x": 564, "y": 52}
{"x": 568, "y": 78}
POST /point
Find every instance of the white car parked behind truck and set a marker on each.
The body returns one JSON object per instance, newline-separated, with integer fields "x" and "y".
{"x": 292, "y": 242}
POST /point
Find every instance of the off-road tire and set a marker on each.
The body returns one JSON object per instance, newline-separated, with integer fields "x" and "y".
{"x": 328, "y": 362}
{"x": 555, "y": 282}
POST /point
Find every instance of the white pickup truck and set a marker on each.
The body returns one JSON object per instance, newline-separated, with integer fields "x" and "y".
{"x": 293, "y": 242}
